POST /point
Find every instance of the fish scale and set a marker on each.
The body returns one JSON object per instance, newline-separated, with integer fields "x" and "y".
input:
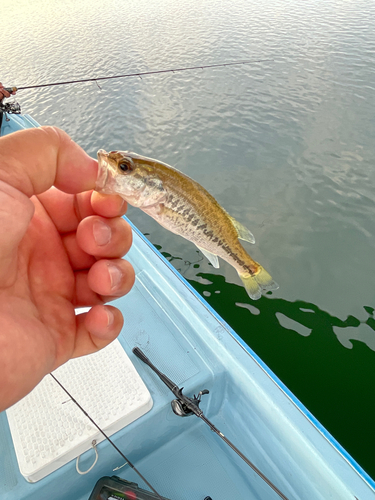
{"x": 184, "y": 207}
{"x": 206, "y": 229}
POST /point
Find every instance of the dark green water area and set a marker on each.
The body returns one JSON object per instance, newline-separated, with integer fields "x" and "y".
{"x": 297, "y": 340}
{"x": 326, "y": 376}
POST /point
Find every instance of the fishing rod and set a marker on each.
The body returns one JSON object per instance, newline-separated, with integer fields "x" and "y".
{"x": 184, "y": 406}
{"x": 108, "y": 439}
{"x": 139, "y": 74}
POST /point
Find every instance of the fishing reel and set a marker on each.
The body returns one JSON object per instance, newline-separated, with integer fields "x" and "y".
{"x": 10, "y": 108}
{"x": 182, "y": 407}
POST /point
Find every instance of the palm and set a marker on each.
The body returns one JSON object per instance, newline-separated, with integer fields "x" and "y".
{"x": 66, "y": 253}
{"x": 53, "y": 278}
{"x": 46, "y": 283}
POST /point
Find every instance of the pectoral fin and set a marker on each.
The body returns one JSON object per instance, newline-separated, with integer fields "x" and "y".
{"x": 211, "y": 257}
{"x": 242, "y": 231}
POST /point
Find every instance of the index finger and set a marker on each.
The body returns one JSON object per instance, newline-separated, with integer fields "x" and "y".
{"x": 34, "y": 160}
{"x": 3, "y": 92}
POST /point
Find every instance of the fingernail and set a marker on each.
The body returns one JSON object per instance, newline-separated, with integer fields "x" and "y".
{"x": 110, "y": 315}
{"x": 102, "y": 233}
{"x": 115, "y": 275}
{"x": 124, "y": 202}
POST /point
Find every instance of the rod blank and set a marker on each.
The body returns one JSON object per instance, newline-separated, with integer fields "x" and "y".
{"x": 140, "y": 74}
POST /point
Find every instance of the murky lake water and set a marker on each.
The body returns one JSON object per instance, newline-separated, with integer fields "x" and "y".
{"x": 287, "y": 146}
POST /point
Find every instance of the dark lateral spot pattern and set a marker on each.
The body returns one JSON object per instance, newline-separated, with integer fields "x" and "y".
{"x": 190, "y": 221}
{"x": 173, "y": 204}
{"x": 237, "y": 259}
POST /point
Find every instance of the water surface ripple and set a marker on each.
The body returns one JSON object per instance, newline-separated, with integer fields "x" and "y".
{"x": 286, "y": 146}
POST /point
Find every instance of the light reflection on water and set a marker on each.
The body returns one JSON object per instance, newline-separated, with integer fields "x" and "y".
{"x": 286, "y": 146}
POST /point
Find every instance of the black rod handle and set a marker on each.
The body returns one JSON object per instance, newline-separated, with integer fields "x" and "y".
{"x": 167, "y": 381}
{"x": 141, "y": 355}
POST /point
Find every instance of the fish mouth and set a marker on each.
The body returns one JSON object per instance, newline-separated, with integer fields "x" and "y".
{"x": 102, "y": 170}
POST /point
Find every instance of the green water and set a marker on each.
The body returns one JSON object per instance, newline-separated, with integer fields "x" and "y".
{"x": 286, "y": 146}
{"x": 302, "y": 344}
{"x": 328, "y": 379}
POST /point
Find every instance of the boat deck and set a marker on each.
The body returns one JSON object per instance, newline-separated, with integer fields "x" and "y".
{"x": 181, "y": 457}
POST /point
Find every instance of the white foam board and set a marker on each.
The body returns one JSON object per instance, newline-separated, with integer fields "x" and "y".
{"x": 49, "y": 430}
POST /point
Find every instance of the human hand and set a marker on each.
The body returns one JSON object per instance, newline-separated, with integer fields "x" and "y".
{"x": 60, "y": 248}
{"x": 4, "y": 93}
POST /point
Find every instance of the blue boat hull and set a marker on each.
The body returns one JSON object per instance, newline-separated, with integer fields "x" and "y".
{"x": 181, "y": 457}
{"x": 12, "y": 122}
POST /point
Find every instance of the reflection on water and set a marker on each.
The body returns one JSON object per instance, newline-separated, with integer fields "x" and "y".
{"x": 304, "y": 346}
{"x": 286, "y": 146}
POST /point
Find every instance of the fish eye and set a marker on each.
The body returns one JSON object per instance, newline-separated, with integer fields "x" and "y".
{"x": 125, "y": 166}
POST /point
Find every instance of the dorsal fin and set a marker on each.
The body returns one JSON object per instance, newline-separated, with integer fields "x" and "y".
{"x": 242, "y": 231}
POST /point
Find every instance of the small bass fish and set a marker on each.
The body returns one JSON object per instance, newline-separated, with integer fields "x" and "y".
{"x": 184, "y": 207}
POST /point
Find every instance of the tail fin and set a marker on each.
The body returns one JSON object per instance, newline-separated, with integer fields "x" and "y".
{"x": 253, "y": 289}
{"x": 264, "y": 280}
{"x": 254, "y": 284}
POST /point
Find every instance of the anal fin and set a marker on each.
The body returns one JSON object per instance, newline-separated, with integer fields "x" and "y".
{"x": 213, "y": 258}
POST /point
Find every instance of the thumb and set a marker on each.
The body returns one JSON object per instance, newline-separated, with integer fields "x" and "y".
{"x": 16, "y": 211}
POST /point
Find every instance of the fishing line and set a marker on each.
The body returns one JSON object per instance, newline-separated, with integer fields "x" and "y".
{"x": 139, "y": 74}
{"x": 107, "y": 437}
